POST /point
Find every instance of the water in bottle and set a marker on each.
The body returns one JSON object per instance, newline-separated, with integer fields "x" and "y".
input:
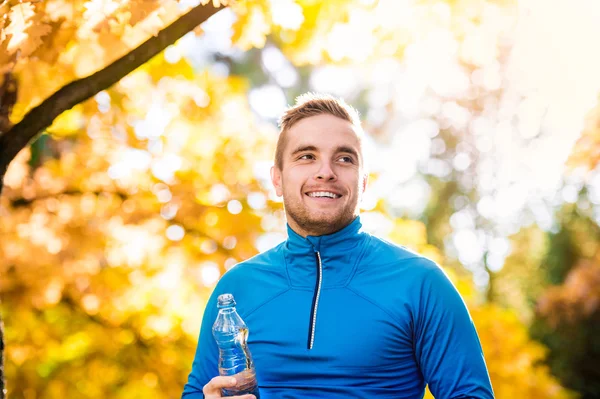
{"x": 231, "y": 334}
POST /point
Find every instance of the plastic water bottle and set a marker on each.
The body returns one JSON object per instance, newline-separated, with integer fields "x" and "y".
{"x": 231, "y": 334}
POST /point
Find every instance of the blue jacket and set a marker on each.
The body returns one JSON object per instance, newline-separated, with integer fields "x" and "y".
{"x": 348, "y": 315}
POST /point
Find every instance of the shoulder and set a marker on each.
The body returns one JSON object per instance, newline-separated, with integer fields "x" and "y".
{"x": 385, "y": 253}
{"x": 393, "y": 270}
{"x": 262, "y": 273}
{"x": 396, "y": 278}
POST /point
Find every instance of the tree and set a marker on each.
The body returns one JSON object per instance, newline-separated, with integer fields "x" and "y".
{"x": 32, "y": 29}
{"x": 36, "y": 20}
{"x": 568, "y": 311}
{"x": 567, "y": 314}
{"x": 129, "y": 246}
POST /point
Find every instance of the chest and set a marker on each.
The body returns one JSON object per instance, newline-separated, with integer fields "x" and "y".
{"x": 352, "y": 337}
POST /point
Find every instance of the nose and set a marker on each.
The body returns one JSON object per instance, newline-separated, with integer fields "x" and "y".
{"x": 325, "y": 172}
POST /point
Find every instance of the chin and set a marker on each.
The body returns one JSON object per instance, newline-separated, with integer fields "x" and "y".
{"x": 330, "y": 222}
{"x": 325, "y": 217}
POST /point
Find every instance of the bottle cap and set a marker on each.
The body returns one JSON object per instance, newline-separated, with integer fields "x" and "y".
{"x": 225, "y": 301}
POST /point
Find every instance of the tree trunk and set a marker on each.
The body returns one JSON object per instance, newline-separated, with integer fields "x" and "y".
{"x": 20, "y": 135}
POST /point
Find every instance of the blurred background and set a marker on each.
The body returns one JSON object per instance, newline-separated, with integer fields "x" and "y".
{"x": 483, "y": 129}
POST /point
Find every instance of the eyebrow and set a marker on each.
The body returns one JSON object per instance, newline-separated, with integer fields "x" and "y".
{"x": 339, "y": 149}
{"x": 348, "y": 150}
{"x": 304, "y": 148}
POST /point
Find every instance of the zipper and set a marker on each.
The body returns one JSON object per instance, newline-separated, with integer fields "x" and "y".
{"x": 315, "y": 303}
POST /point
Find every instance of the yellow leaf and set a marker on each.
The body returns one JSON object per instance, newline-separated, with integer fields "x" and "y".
{"x": 68, "y": 123}
{"x": 251, "y": 28}
{"x": 26, "y": 29}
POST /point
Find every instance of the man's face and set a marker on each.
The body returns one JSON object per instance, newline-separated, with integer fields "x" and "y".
{"x": 322, "y": 178}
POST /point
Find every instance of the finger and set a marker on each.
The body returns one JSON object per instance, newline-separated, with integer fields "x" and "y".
{"x": 214, "y": 386}
{"x": 249, "y": 396}
{"x": 232, "y": 397}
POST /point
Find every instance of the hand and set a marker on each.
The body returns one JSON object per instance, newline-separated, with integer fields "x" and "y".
{"x": 213, "y": 388}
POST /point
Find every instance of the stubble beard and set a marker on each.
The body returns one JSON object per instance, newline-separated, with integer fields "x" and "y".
{"x": 319, "y": 223}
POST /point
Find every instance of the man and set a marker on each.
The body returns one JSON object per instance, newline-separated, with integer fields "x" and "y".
{"x": 334, "y": 312}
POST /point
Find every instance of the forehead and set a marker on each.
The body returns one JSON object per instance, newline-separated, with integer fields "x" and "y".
{"x": 323, "y": 132}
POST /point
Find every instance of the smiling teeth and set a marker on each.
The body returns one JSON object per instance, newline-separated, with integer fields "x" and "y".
{"x": 323, "y": 194}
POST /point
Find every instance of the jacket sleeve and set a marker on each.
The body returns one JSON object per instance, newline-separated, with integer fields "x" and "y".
{"x": 447, "y": 347}
{"x": 205, "y": 365}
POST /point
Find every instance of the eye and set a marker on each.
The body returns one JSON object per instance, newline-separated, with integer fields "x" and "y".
{"x": 306, "y": 157}
{"x": 346, "y": 159}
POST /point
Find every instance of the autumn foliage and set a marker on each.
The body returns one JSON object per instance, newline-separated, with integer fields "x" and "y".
{"x": 587, "y": 150}
{"x": 118, "y": 220}
{"x": 109, "y": 254}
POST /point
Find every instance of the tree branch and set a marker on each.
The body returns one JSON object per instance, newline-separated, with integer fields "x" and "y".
{"x": 15, "y": 139}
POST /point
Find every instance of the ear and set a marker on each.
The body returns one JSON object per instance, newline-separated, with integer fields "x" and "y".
{"x": 365, "y": 181}
{"x": 276, "y": 179}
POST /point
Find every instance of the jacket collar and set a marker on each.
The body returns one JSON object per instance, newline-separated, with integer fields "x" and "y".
{"x": 339, "y": 253}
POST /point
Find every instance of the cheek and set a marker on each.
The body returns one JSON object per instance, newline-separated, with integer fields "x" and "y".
{"x": 352, "y": 180}
{"x": 294, "y": 180}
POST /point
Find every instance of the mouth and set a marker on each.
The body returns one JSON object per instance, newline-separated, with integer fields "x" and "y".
{"x": 323, "y": 195}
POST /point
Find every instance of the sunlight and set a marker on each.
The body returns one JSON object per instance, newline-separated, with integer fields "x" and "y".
{"x": 209, "y": 273}
{"x": 287, "y": 14}
{"x": 268, "y": 101}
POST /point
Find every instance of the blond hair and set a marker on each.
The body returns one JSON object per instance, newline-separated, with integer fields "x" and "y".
{"x": 312, "y": 104}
